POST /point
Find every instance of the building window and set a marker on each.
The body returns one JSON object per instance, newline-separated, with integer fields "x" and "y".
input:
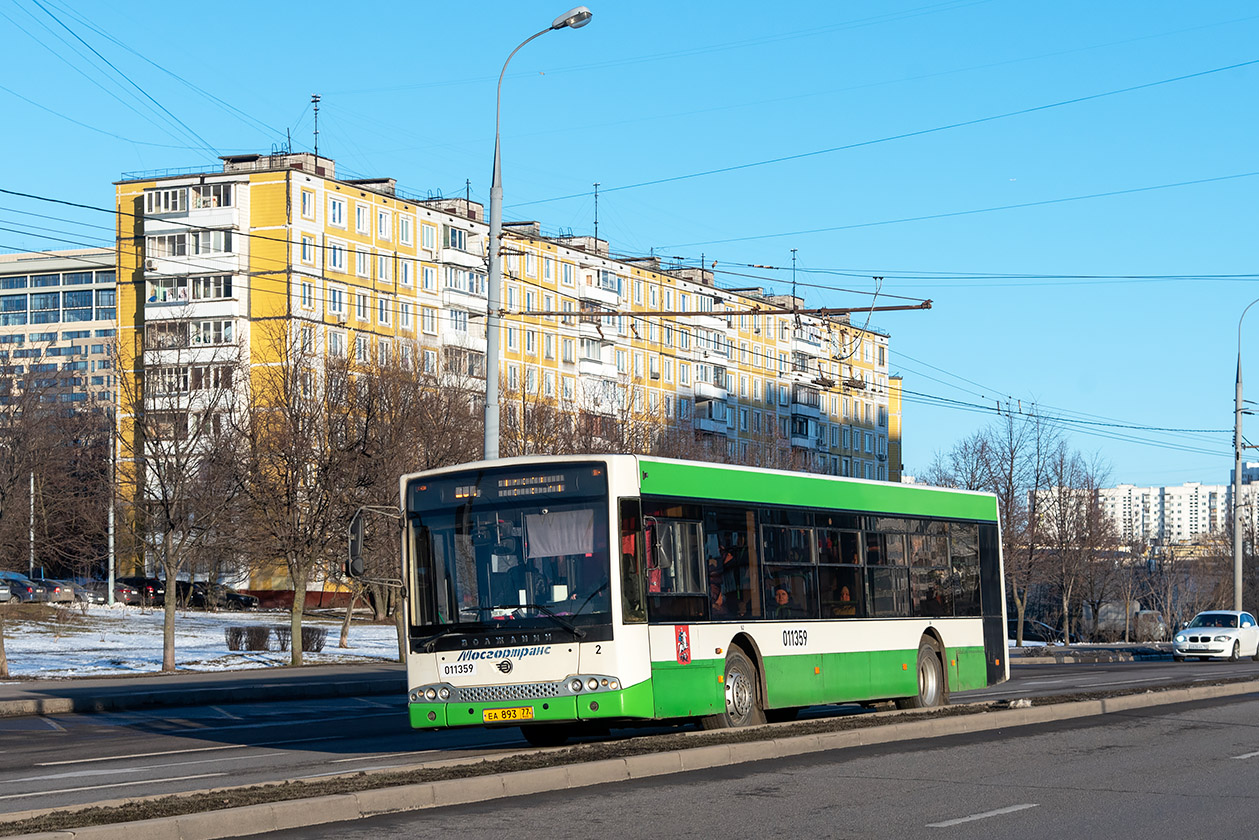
{"x": 336, "y": 300}
{"x": 428, "y": 278}
{"x": 384, "y": 268}
{"x": 336, "y": 212}
{"x": 384, "y": 224}
{"x": 157, "y": 202}
{"x": 361, "y": 307}
{"x": 428, "y": 237}
{"x": 336, "y": 256}
{"x": 308, "y": 204}
{"x": 308, "y": 295}
{"x": 362, "y": 262}
{"x": 406, "y": 225}
{"x": 404, "y": 315}
{"x": 362, "y": 221}
{"x": 308, "y": 249}
{"x": 382, "y": 311}
{"x": 405, "y": 270}
{"x": 428, "y": 320}
{"x": 459, "y": 320}
{"x": 456, "y": 238}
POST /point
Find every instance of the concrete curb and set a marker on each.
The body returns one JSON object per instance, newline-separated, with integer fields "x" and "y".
{"x": 298, "y": 813}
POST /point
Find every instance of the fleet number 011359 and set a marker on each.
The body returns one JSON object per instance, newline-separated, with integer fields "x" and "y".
{"x": 458, "y": 669}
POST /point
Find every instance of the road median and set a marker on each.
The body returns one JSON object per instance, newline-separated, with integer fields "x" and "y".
{"x": 240, "y": 812}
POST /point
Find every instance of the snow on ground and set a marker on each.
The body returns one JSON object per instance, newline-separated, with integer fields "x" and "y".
{"x": 119, "y": 640}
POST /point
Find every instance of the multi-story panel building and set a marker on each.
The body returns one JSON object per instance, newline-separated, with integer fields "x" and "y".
{"x": 362, "y": 270}
{"x": 57, "y": 320}
{"x": 1172, "y": 514}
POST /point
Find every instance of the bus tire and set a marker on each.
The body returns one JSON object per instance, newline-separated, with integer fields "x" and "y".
{"x": 742, "y": 695}
{"x": 933, "y": 689}
{"x": 545, "y": 734}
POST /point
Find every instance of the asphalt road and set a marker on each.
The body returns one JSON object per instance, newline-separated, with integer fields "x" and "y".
{"x": 55, "y": 761}
{"x": 1181, "y": 771}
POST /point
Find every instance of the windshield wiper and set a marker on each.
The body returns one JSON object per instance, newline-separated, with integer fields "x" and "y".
{"x": 558, "y": 619}
{"x": 427, "y": 644}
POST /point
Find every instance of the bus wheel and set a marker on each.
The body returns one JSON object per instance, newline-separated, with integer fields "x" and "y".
{"x": 545, "y": 734}
{"x": 743, "y": 695}
{"x": 932, "y": 688}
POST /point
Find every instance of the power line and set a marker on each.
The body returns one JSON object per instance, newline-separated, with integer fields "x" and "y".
{"x": 905, "y": 135}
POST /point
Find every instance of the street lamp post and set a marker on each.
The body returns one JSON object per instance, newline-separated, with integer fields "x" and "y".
{"x": 572, "y": 19}
{"x": 1237, "y": 469}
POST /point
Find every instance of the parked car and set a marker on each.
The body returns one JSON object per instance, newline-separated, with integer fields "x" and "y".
{"x": 82, "y": 594}
{"x": 58, "y": 592}
{"x": 1034, "y": 632}
{"x": 191, "y": 594}
{"x": 6, "y": 594}
{"x": 123, "y": 593}
{"x": 225, "y": 597}
{"x": 1230, "y": 634}
{"x": 152, "y": 590}
{"x": 22, "y": 588}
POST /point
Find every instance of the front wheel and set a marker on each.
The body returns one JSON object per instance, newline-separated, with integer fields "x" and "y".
{"x": 1176, "y": 658}
{"x": 743, "y": 695}
{"x": 933, "y": 690}
{"x": 1236, "y": 653}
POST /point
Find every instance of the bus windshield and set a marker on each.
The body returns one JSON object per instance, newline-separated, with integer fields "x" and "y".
{"x": 500, "y": 550}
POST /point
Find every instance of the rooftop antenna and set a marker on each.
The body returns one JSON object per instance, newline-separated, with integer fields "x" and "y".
{"x": 467, "y": 190}
{"x": 314, "y": 100}
{"x": 596, "y": 209}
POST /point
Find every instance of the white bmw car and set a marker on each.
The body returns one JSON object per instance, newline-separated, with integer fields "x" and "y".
{"x": 1227, "y": 634}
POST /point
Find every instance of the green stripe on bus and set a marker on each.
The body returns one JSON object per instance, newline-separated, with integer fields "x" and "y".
{"x": 666, "y": 478}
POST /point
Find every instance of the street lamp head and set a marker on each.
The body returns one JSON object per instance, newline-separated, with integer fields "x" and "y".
{"x": 573, "y": 18}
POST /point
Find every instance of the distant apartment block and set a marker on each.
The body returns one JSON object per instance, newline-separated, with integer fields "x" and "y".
{"x": 57, "y": 322}
{"x": 1167, "y": 515}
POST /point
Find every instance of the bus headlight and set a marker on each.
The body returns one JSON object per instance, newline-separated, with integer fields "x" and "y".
{"x": 592, "y": 683}
{"x": 431, "y": 694}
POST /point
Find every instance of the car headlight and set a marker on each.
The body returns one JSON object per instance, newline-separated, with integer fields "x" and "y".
{"x": 1180, "y": 637}
{"x": 1224, "y": 638}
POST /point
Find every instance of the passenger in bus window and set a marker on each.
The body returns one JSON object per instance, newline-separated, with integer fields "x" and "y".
{"x": 785, "y": 605}
{"x": 718, "y": 605}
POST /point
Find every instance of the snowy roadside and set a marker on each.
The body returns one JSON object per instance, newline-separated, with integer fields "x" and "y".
{"x": 119, "y": 640}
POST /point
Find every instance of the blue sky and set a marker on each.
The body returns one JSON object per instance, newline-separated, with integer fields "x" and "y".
{"x": 1072, "y": 184}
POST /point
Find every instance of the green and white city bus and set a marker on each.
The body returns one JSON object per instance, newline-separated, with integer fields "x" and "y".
{"x": 565, "y": 594}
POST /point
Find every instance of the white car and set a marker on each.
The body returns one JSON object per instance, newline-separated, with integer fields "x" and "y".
{"x": 1218, "y": 633}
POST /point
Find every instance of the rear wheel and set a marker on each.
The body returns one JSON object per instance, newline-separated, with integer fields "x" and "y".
{"x": 545, "y": 734}
{"x": 743, "y": 695}
{"x": 1236, "y": 653}
{"x": 1256, "y": 656}
{"x": 933, "y": 690}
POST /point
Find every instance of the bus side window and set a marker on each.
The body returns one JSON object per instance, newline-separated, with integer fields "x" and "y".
{"x": 632, "y": 577}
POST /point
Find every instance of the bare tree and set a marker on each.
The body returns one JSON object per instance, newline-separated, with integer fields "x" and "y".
{"x": 303, "y": 425}
{"x": 178, "y": 478}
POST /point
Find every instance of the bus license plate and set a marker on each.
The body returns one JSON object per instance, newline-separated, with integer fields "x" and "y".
{"x": 501, "y": 715}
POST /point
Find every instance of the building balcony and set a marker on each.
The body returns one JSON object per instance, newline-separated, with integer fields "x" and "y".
{"x": 804, "y": 442}
{"x": 607, "y": 297}
{"x": 709, "y": 391}
{"x": 596, "y": 368}
{"x": 460, "y": 299}
{"x": 709, "y": 425}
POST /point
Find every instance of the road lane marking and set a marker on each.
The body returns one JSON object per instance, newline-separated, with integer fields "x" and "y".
{"x": 36, "y": 793}
{"x": 179, "y": 752}
{"x": 379, "y": 757}
{"x": 1247, "y": 755}
{"x": 1084, "y": 686}
{"x": 140, "y": 769}
{"x": 985, "y": 815}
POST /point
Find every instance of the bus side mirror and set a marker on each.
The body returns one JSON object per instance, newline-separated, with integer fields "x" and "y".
{"x": 354, "y": 563}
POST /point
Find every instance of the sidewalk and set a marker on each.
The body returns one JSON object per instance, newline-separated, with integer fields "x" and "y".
{"x": 103, "y": 694}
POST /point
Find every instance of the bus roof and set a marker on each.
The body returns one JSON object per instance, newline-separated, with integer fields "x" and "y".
{"x": 725, "y": 482}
